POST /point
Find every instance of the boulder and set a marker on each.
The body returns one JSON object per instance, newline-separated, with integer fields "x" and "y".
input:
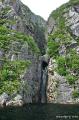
{"x": 18, "y": 97}
{"x": 45, "y": 58}
{"x": 4, "y": 97}
{"x": 15, "y": 103}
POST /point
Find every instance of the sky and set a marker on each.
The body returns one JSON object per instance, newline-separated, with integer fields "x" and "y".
{"x": 43, "y": 7}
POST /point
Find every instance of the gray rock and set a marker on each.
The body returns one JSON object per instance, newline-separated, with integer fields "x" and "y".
{"x": 30, "y": 24}
{"x": 77, "y": 50}
{"x": 45, "y": 58}
{"x": 51, "y": 25}
{"x": 4, "y": 97}
{"x": 62, "y": 50}
{"x": 76, "y": 8}
{"x": 18, "y": 97}
{"x": 15, "y": 103}
{"x": 72, "y": 20}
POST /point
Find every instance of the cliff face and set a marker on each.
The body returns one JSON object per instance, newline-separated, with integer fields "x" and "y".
{"x": 53, "y": 77}
{"x": 22, "y": 42}
{"x": 63, "y": 48}
{"x": 27, "y": 22}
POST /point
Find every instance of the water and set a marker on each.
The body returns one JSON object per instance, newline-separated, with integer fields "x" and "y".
{"x": 41, "y": 112}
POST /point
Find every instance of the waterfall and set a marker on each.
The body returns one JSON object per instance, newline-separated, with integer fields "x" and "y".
{"x": 44, "y": 79}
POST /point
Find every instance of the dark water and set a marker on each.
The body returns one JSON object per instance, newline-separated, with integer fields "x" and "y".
{"x": 41, "y": 112}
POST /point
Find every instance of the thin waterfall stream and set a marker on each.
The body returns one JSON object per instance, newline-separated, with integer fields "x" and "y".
{"x": 43, "y": 82}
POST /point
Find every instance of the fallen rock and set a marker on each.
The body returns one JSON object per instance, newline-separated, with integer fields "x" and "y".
{"x": 15, "y": 103}
{"x": 3, "y": 103}
{"x": 18, "y": 97}
{"x": 4, "y": 97}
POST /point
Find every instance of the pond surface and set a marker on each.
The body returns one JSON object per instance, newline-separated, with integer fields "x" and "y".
{"x": 41, "y": 112}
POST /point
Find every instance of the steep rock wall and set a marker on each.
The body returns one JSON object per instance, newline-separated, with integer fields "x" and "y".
{"x": 63, "y": 76}
{"x": 18, "y": 18}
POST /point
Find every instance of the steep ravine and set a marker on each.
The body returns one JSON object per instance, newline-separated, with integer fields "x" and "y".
{"x": 39, "y": 60}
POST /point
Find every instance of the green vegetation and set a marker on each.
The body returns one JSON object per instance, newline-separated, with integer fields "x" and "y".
{"x": 10, "y": 75}
{"x": 58, "y": 16}
{"x": 9, "y": 87}
{"x": 75, "y": 94}
{"x": 52, "y": 48}
{"x": 7, "y": 36}
{"x": 61, "y": 66}
{"x": 56, "y": 40}
{"x": 73, "y": 61}
{"x": 32, "y": 45}
{"x": 71, "y": 79}
{"x": 5, "y": 10}
{"x": 74, "y": 2}
{"x": 11, "y": 71}
{"x": 67, "y": 64}
{"x": 9, "y": 22}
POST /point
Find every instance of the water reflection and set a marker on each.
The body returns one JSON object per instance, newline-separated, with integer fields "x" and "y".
{"x": 41, "y": 112}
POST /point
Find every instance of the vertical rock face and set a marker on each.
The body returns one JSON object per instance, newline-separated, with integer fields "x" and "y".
{"x": 33, "y": 25}
{"x": 61, "y": 71}
{"x": 26, "y": 21}
{"x": 51, "y": 25}
{"x": 18, "y": 17}
{"x": 58, "y": 90}
{"x": 63, "y": 42}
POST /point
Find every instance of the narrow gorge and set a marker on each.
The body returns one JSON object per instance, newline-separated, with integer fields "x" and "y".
{"x": 39, "y": 60}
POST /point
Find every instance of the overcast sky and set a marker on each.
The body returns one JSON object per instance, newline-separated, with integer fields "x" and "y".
{"x": 43, "y": 7}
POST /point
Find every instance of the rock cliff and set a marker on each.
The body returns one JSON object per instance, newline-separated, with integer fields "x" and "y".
{"x": 27, "y": 22}
{"x": 22, "y": 43}
{"x": 39, "y": 60}
{"x": 63, "y": 49}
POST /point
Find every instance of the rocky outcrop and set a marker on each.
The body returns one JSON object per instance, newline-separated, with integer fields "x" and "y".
{"x": 72, "y": 18}
{"x": 17, "y": 101}
{"x": 5, "y": 100}
{"x": 52, "y": 82}
{"x": 58, "y": 89}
